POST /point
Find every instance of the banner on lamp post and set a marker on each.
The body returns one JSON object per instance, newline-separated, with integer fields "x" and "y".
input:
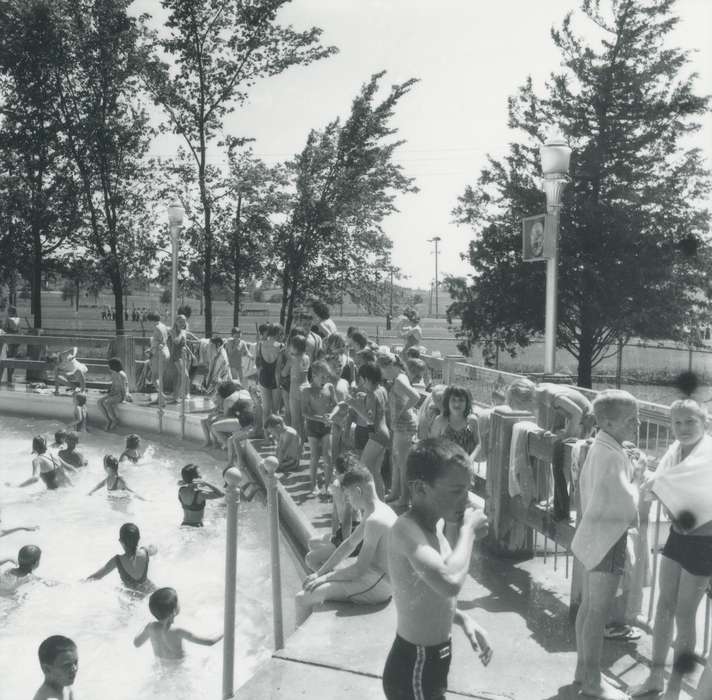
{"x": 538, "y": 242}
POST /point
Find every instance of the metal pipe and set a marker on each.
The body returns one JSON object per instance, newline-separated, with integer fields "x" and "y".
{"x": 182, "y": 414}
{"x": 175, "y": 228}
{"x": 161, "y": 397}
{"x": 232, "y": 499}
{"x": 270, "y": 466}
{"x": 552, "y": 288}
{"x": 656, "y": 555}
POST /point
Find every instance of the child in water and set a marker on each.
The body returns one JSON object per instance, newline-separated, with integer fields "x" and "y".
{"x": 28, "y": 559}
{"x": 79, "y": 399}
{"x": 166, "y": 640}
{"x": 59, "y": 663}
{"x": 132, "y": 453}
{"x": 47, "y": 467}
{"x": 113, "y": 481}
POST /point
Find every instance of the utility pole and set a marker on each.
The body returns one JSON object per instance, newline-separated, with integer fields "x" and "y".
{"x": 391, "y": 269}
{"x": 436, "y": 240}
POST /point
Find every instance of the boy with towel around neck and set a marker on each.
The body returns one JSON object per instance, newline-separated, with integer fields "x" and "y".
{"x": 609, "y": 488}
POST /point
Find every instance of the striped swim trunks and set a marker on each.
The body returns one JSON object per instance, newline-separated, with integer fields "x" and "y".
{"x": 414, "y": 672}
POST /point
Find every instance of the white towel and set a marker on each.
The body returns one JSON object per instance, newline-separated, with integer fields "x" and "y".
{"x": 521, "y": 475}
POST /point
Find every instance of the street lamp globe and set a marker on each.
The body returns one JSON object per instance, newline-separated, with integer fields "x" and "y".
{"x": 175, "y": 214}
{"x": 555, "y": 155}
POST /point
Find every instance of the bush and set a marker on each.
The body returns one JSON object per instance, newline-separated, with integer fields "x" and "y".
{"x": 275, "y": 299}
{"x": 166, "y": 296}
{"x": 258, "y": 295}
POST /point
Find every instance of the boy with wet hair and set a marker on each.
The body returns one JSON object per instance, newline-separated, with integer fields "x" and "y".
{"x": 365, "y": 582}
{"x": 427, "y": 575}
{"x": 609, "y": 489}
{"x": 70, "y": 455}
{"x": 59, "y": 662}
{"x": 166, "y": 640}
{"x": 28, "y": 559}
{"x": 289, "y": 446}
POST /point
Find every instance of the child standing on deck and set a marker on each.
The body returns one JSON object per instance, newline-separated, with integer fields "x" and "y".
{"x": 289, "y": 446}
{"x": 118, "y": 393}
{"x": 298, "y": 369}
{"x": 59, "y": 663}
{"x": 609, "y": 506}
{"x": 318, "y": 400}
{"x": 166, "y": 640}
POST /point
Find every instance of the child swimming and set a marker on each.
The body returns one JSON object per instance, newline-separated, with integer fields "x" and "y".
{"x": 193, "y": 493}
{"x": 59, "y": 663}
{"x": 132, "y": 453}
{"x": 166, "y": 640}
{"x": 28, "y": 559}
{"x": 113, "y": 481}
{"x": 47, "y": 467}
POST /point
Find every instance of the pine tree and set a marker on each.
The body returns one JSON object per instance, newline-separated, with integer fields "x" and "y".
{"x": 632, "y": 244}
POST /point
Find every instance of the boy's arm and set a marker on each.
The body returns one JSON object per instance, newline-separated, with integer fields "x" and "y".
{"x": 339, "y": 554}
{"x": 97, "y": 487}
{"x": 196, "y": 639}
{"x": 476, "y": 634}
{"x": 142, "y": 637}
{"x": 107, "y": 568}
{"x": 444, "y": 575}
{"x": 372, "y": 534}
{"x": 10, "y": 530}
{"x": 210, "y": 491}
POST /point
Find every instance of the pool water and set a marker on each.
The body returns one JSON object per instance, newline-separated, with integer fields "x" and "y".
{"x": 79, "y": 533}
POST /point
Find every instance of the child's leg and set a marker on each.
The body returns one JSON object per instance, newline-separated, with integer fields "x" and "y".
{"x": 580, "y": 621}
{"x": 276, "y": 401}
{"x": 295, "y": 412}
{"x": 690, "y": 592}
{"x": 314, "y": 452}
{"x": 285, "y": 404}
{"x": 266, "y": 403}
{"x": 81, "y": 379}
{"x": 401, "y": 445}
{"x": 102, "y": 407}
{"x": 602, "y": 590}
{"x": 320, "y": 549}
{"x": 372, "y": 459}
{"x": 111, "y": 403}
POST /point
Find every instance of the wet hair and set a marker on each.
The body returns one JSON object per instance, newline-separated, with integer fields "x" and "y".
{"x": 11, "y": 310}
{"x": 129, "y": 535}
{"x": 275, "y": 331}
{"x": 361, "y": 339}
{"x": 217, "y": 341}
{"x": 235, "y": 330}
{"x": 315, "y": 329}
{"x": 416, "y": 367}
{"x": 39, "y": 445}
{"x": 689, "y": 405}
{"x": 189, "y": 473}
{"x": 28, "y": 556}
{"x": 413, "y": 352}
{"x": 371, "y": 372}
{"x": 111, "y": 462}
{"x": 152, "y": 316}
{"x": 320, "y": 309}
{"x": 459, "y": 392}
{"x": 430, "y": 459}
{"x": 227, "y": 388}
{"x": 52, "y": 647}
{"x": 274, "y": 420}
{"x": 389, "y": 360}
{"x": 81, "y": 399}
{"x": 115, "y": 364}
{"x": 60, "y": 436}
{"x": 163, "y": 603}
{"x": 321, "y": 367}
{"x": 612, "y": 404}
{"x": 297, "y": 330}
{"x": 72, "y": 437}
{"x": 356, "y": 475}
{"x": 335, "y": 343}
{"x": 299, "y": 343}
{"x": 133, "y": 441}
{"x": 345, "y": 461}
{"x": 244, "y": 411}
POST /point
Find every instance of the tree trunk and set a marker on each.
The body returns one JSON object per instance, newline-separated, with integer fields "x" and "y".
{"x": 36, "y": 281}
{"x": 76, "y": 291}
{"x": 292, "y": 298}
{"x": 118, "y": 290}
{"x": 585, "y": 361}
{"x": 285, "y": 299}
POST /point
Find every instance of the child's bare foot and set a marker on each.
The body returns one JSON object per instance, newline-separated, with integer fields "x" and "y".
{"x": 653, "y": 685}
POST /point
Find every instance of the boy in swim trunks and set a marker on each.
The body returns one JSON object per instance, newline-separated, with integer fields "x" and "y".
{"x": 427, "y": 574}
{"x": 365, "y": 582}
{"x": 289, "y": 446}
{"x": 318, "y": 400}
{"x": 28, "y": 559}
{"x": 298, "y": 369}
{"x": 609, "y": 490}
{"x": 166, "y": 640}
{"x": 59, "y": 663}
{"x": 79, "y": 399}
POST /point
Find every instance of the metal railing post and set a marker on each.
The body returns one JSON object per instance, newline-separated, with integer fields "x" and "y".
{"x": 270, "y": 465}
{"x": 232, "y": 498}
{"x": 656, "y": 555}
{"x": 182, "y": 417}
{"x": 161, "y": 398}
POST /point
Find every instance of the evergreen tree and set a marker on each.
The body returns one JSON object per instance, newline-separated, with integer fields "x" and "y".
{"x": 633, "y": 223}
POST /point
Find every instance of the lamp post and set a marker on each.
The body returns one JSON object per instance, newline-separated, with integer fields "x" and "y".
{"x": 555, "y": 155}
{"x": 175, "y": 221}
{"x": 436, "y": 240}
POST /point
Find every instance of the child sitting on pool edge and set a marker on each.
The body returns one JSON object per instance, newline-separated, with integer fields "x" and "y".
{"x": 167, "y": 641}
{"x": 289, "y": 446}
{"x": 59, "y": 663}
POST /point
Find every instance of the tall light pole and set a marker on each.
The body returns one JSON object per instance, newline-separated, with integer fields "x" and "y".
{"x": 436, "y": 240}
{"x": 175, "y": 221}
{"x": 555, "y": 156}
{"x": 391, "y": 269}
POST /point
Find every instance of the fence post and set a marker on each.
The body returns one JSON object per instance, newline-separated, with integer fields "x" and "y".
{"x": 689, "y": 359}
{"x": 232, "y": 498}
{"x": 498, "y": 499}
{"x": 270, "y": 465}
{"x": 182, "y": 416}
{"x": 449, "y": 370}
{"x": 161, "y": 396}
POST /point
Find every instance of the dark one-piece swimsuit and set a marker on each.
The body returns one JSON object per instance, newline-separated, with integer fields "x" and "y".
{"x": 137, "y": 584}
{"x": 193, "y": 508}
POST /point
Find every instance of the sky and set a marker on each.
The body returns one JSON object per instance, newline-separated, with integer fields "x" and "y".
{"x": 469, "y": 55}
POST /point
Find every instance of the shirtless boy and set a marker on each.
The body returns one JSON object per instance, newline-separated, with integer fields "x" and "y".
{"x": 59, "y": 662}
{"x": 609, "y": 499}
{"x": 166, "y": 640}
{"x": 289, "y": 446}
{"x": 28, "y": 559}
{"x": 426, "y": 574}
{"x": 365, "y": 582}
{"x": 70, "y": 454}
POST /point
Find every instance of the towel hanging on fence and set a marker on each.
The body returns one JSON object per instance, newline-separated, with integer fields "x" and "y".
{"x": 521, "y": 475}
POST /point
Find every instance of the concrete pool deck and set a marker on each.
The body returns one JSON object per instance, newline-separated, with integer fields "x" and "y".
{"x": 340, "y": 650}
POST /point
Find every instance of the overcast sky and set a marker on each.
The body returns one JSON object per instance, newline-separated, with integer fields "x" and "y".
{"x": 469, "y": 55}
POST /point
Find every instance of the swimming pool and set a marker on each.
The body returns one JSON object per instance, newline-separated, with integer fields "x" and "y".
{"x": 79, "y": 533}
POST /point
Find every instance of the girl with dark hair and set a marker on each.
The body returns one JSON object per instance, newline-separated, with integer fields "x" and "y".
{"x": 457, "y": 421}
{"x": 132, "y": 565}
{"x": 46, "y": 468}
{"x": 180, "y": 357}
{"x": 118, "y": 393}
{"x": 268, "y": 353}
{"x": 113, "y": 481}
{"x": 193, "y": 493}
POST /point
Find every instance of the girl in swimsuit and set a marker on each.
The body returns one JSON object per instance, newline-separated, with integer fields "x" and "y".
{"x": 193, "y": 493}
{"x": 457, "y": 422}
{"x": 118, "y": 393}
{"x": 180, "y": 357}
{"x": 132, "y": 565}
{"x": 45, "y": 467}
{"x": 269, "y": 352}
{"x": 113, "y": 481}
